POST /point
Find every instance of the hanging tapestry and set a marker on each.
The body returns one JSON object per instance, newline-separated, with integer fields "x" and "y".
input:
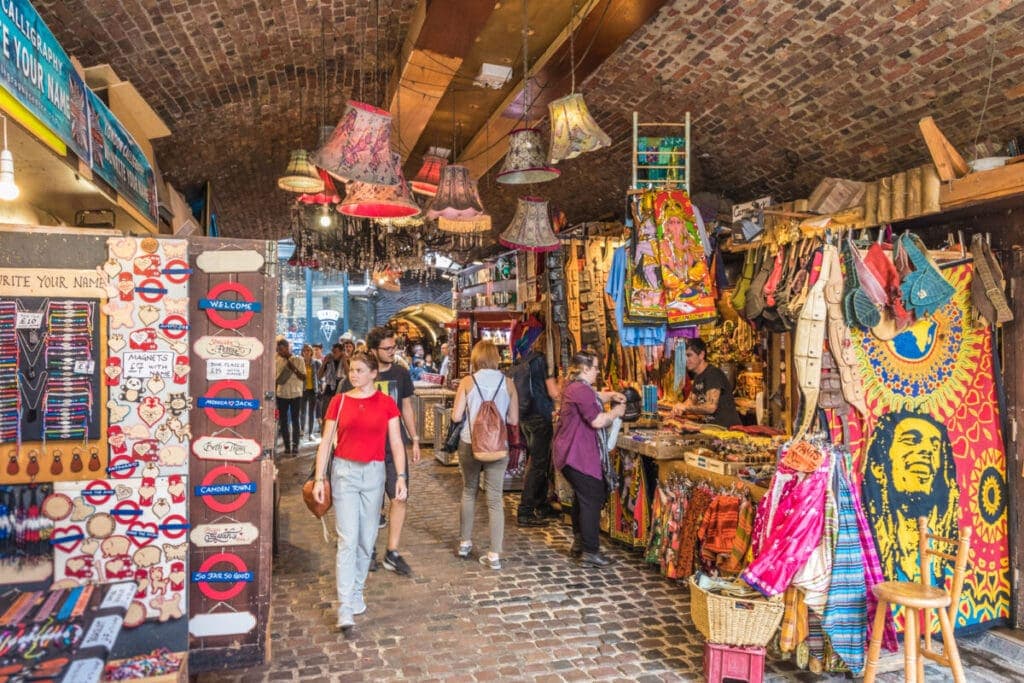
{"x": 932, "y": 446}
{"x": 645, "y": 290}
{"x": 689, "y": 296}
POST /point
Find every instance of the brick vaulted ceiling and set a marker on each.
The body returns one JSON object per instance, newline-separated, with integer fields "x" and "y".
{"x": 781, "y": 93}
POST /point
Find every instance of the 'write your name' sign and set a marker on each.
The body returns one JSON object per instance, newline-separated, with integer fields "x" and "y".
{"x": 44, "y": 282}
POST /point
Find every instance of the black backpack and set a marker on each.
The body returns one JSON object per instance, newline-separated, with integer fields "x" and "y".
{"x": 523, "y": 384}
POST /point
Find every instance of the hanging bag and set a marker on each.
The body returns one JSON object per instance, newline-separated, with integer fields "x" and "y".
{"x": 320, "y": 509}
{"x": 488, "y": 432}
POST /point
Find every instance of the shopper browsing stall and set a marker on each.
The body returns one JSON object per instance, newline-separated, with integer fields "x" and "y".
{"x": 577, "y": 452}
{"x": 487, "y": 383}
{"x": 365, "y": 420}
{"x": 711, "y": 398}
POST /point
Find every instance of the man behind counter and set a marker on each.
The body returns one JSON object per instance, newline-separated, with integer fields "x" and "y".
{"x": 711, "y": 398}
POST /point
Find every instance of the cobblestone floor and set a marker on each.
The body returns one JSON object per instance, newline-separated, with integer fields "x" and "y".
{"x": 540, "y": 618}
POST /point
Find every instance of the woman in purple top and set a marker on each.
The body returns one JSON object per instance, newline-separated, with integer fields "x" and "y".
{"x": 576, "y": 452}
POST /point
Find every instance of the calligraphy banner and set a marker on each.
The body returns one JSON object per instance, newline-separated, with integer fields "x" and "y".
{"x": 932, "y": 446}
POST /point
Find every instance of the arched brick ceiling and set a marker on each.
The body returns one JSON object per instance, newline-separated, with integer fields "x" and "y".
{"x": 781, "y": 93}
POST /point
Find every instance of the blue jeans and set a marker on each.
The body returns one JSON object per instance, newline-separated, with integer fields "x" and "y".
{"x": 357, "y": 489}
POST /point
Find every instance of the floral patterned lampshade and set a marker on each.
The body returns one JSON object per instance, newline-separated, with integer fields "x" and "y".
{"x": 301, "y": 175}
{"x": 369, "y": 200}
{"x": 426, "y": 180}
{"x": 530, "y": 228}
{"x": 328, "y": 195}
{"x": 573, "y": 130}
{"x": 456, "y": 197}
{"x": 359, "y": 148}
{"x": 479, "y": 224}
{"x": 525, "y": 162}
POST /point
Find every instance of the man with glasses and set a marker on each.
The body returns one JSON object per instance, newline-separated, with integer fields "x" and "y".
{"x": 394, "y": 381}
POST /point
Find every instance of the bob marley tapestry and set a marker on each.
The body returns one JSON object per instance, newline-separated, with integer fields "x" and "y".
{"x": 932, "y": 446}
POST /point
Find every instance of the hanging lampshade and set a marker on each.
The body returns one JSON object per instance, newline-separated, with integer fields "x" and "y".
{"x": 301, "y": 175}
{"x": 426, "y": 180}
{"x": 573, "y": 130}
{"x": 481, "y": 223}
{"x": 457, "y": 196}
{"x": 329, "y": 194}
{"x": 370, "y": 200}
{"x": 530, "y": 228}
{"x": 525, "y": 162}
{"x": 359, "y": 148}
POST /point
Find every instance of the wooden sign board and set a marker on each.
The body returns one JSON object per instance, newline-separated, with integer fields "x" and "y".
{"x": 228, "y": 348}
{"x": 230, "y": 261}
{"x": 225, "y": 448}
{"x": 221, "y": 535}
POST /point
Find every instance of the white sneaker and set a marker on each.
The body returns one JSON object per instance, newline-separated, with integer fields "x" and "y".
{"x": 358, "y": 605}
{"x": 345, "y": 618}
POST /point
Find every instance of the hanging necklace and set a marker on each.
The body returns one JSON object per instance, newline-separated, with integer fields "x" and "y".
{"x": 30, "y": 391}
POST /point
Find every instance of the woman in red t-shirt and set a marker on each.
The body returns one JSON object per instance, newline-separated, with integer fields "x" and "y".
{"x": 362, "y": 419}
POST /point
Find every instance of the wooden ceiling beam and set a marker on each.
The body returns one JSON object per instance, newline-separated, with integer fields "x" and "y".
{"x": 436, "y": 44}
{"x": 601, "y": 27}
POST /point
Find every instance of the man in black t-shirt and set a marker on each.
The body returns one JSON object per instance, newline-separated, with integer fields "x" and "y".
{"x": 711, "y": 399}
{"x": 394, "y": 381}
{"x": 535, "y": 425}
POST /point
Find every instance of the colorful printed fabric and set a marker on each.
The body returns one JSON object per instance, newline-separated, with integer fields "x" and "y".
{"x": 718, "y": 530}
{"x": 872, "y": 572}
{"x": 815, "y": 576}
{"x": 659, "y": 509}
{"x": 737, "y": 558}
{"x": 793, "y": 629}
{"x": 700, "y": 499}
{"x": 846, "y": 617}
{"x": 792, "y": 531}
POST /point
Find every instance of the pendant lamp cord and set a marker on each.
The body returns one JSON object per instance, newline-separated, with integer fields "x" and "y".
{"x": 572, "y": 47}
{"x": 526, "y": 58}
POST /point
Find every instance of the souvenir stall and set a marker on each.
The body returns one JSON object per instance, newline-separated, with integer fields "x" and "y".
{"x": 847, "y": 347}
{"x": 120, "y": 502}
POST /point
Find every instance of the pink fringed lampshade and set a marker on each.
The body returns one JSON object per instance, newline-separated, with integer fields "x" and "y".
{"x": 329, "y": 195}
{"x": 426, "y": 180}
{"x": 301, "y": 175}
{"x": 368, "y": 200}
{"x": 530, "y": 229}
{"x": 456, "y": 197}
{"x": 573, "y": 130}
{"x": 525, "y": 162}
{"x": 359, "y": 148}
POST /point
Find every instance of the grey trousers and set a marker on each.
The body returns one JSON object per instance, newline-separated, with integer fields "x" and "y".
{"x": 494, "y": 480}
{"x": 357, "y": 489}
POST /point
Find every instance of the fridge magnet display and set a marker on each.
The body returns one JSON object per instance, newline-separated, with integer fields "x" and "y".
{"x": 124, "y": 529}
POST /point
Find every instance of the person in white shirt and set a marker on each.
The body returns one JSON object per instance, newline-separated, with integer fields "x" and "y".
{"x": 290, "y": 373}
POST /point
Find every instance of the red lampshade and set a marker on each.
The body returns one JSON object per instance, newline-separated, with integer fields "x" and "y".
{"x": 329, "y": 195}
{"x": 368, "y": 200}
{"x": 426, "y": 180}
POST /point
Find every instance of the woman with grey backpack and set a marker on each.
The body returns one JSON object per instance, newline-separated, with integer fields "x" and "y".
{"x": 487, "y": 406}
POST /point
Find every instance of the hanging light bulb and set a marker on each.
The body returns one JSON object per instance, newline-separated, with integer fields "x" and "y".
{"x": 524, "y": 162}
{"x": 325, "y": 217}
{"x": 530, "y": 229}
{"x": 8, "y": 188}
{"x": 301, "y": 175}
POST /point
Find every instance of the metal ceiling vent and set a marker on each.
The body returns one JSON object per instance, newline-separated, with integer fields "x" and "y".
{"x": 492, "y": 76}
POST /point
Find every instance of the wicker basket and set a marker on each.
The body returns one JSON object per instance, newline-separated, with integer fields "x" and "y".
{"x": 734, "y": 621}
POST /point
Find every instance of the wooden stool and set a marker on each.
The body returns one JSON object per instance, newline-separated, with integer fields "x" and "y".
{"x": 918, "y": 599}
{"x": 733, "y": 662}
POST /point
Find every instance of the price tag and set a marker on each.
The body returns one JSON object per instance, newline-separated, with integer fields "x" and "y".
{"x": 84, "y": 367}
{"x": 119, "y": 595}
{"x": 29, "y": 321}
{"x": 103, "y": 632}
{"x": 145, "y": 364}
{"x": 218, "y": 368}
